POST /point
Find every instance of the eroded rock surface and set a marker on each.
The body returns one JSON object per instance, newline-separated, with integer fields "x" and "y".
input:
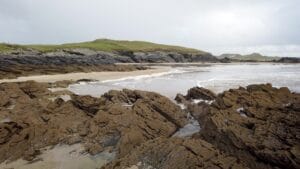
{"x": 253, "y": 127}
{"x": 23, "y": 63}
{"x": 119, "y": 120}
{"x": 258, "y": 124}
{"x": 176, "y": 153}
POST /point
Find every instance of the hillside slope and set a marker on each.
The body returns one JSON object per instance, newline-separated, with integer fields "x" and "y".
{"x": 106, "y": 45}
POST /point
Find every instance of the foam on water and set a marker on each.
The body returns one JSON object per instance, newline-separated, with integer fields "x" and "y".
{"x": 174, "y": 71}
{"x": 216, "y": 77}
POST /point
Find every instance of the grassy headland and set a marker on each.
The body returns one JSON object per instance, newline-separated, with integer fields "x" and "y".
{"x": 102, "y": 45}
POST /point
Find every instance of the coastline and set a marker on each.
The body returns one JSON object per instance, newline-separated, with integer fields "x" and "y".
{"x": 99, "y": 76}
{"x": 153, "y": 68}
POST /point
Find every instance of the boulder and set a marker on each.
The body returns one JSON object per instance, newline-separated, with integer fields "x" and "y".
{"x": 200, "y": 93}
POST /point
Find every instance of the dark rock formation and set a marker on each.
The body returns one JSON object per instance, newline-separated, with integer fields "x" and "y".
{"x": 289, "y": 60}
{"x": 85, "y": 60}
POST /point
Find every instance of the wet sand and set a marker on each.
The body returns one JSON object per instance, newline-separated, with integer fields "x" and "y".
{"x": 63, "y": 157}
{"x": 100, "y": 76}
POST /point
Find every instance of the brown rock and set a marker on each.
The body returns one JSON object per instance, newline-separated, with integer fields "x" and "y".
{"x": 4, "y": 98}
{"x": 87, "y": 103}
{"x": 119, "y": 120}
{"x": 259, "y": 125}
{"x": 129, "y": 118}
{"x": 200, "y": 93}
{"x": 176, "y": 153}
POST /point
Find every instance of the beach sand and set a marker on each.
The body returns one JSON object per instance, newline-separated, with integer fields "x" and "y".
{"x": 100, "y": 76}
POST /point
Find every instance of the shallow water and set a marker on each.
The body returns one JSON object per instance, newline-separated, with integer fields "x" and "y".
{"x": 215, "y": 77}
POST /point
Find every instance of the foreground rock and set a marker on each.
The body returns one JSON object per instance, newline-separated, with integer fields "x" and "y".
{"x": 258, "y": 124}
{"x": 253, "y": 127}
{"x": 196, "y": 93}
{"x": 176, "y": 153}
{"x": 119, "y": 121}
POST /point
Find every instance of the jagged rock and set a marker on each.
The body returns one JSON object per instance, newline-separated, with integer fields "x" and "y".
{"x": 87, "y": 103}
{"x": 135, "y": 117}
{"x": 196, "y": 93}
{"x": 255, "y": 127}
{"x": 86, "y": 60}
{"x": 176, "y": 153}
{"x": 202, "y": 96}
{"x": 33, "y": 89}
{"x": 258, "y": 124}
{"x": 200, "y": 93}
{"x": 119, "y": 120}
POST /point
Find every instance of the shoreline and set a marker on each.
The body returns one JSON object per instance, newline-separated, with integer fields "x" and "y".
{"x": 181, "y": 64}
{"x": 99, "y": 76}
{"x": 154, "y": 68}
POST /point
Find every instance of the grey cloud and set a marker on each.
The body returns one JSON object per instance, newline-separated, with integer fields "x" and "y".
{"x": 215, "y": 25}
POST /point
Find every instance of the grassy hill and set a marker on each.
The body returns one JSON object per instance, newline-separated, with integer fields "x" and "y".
{"x": 102, "y": 45}
{"x": 250, "y": 57}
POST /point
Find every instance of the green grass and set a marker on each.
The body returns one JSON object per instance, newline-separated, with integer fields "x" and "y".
{"x": 104, "y": 45}
{"x": 10, "y": 47}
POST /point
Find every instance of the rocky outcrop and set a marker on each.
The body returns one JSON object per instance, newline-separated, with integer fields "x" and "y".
{"x": 196, "y": 95}
{"x": 253, "y": 127}
{"x": 258, "y": 124}
{"x": 129, "y": 118}
{"x": 90, "y": 57}
{"x": 289, "y": 60}
{"x": 119, "y": 120}
{"x": 85, "y": 60}
{"x": 200, "y": 93}
{"x": 13, "y": 70}
{"x": 176, "y": 153}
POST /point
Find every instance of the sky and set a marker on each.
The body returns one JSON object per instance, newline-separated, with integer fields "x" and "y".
{"x": 270, "y": 27}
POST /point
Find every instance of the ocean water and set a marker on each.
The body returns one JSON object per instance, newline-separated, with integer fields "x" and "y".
{"x": 218, "y": 77}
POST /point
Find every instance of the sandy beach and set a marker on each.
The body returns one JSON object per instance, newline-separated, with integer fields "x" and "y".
{"x": 100, "y": 76}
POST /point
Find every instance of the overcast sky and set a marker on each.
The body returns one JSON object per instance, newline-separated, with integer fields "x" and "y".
{"x": 218, "y": 26}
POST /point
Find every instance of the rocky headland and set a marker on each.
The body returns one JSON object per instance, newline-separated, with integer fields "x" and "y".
{"x": 98, "y": 55}
{"x": 252, "y": 127}
{"x": 12, "y": 66}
